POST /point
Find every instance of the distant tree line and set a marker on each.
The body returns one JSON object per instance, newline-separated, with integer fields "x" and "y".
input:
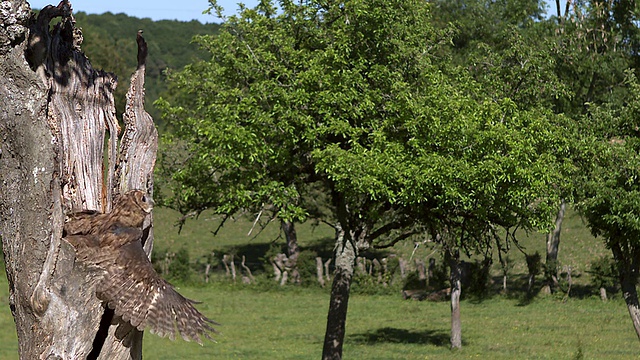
{"x": 108, "y": 44}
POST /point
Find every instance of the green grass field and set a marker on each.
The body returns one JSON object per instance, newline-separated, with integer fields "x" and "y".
{"x": 289, "y": 323}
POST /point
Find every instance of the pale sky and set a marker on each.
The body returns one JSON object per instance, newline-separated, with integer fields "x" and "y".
{"x": 184, "y": 10}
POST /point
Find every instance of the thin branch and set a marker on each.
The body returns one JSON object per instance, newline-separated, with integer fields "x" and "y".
{"x": 224, "y": 220}
{"x": 262, "y": 227}
{"x": 387, "y": 228}
{"x": 255, "y": 221}
{"x": 396, "y": 240}
{"x": 183, "y": 219}
{"x": 328, "y": 223}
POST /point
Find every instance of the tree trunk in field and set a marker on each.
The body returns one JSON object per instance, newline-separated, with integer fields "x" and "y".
{"x": 56, "y": 111}
{"x": 553, "y": 244}
{"x": 628, "y": 265}
{"x": 348, "y": 245}
{"x": 292, "y": 249}
{"x": 631, "y": 298}
{"x": 338, "y": 304}
{"x": 603, "y": 293}
{"x": 453, "y": 258}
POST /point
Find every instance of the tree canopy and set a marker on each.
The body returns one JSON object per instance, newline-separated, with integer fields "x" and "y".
{"x": 359, "y": 100}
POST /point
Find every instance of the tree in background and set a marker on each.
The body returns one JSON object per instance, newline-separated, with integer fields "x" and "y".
{"x": 357, "y": 100}
{"x": 107, "y": 41}
{"x": 612, "y": 194}
{"x": 598, "y": 57}
{"x": 281, "y": 95}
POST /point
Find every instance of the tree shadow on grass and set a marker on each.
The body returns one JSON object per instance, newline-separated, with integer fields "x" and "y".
{"x": 402, "y": 336}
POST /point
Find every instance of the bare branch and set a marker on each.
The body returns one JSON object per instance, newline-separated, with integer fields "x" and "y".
{"x": 255, "y": 221}
{"x": 396, "y": 240}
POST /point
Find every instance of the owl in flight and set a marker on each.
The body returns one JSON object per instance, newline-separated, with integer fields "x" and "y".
{"x": 111, "y": 243}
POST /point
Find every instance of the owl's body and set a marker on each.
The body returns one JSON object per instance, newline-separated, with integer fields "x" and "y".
{"x": 129, "y": 285}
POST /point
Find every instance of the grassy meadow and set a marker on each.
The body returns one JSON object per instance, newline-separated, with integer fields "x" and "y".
{"x": 263, "y": 321}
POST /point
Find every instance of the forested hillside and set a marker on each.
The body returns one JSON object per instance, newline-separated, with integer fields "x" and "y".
{"x": 110, "y": 43}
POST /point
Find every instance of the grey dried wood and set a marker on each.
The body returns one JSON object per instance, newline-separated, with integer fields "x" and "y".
{"x": 55, "y": 114}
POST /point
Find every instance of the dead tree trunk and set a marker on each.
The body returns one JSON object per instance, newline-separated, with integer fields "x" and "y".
{"x": 453, "y": 258}
{"x": 553, "y": 244}
{"x": 293, "y": 250}
{"x": 248, "y": 277}
{"x": 319, "y": 271}
{"x": 326, "y": 269}
{"x": 55, "y": 115}
{"x": 228, "y": 262}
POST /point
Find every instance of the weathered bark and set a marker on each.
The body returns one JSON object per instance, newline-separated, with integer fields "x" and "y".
{"x": 553, "y": 244}
{"x": 603, "y": 293}
{"x": 293, "y": 250}
{"x": 421, "y": 267}
{"x": 248, "y": 278}
{"x": 346, "y": 254}
{"x": 377, "y": 269}
{"x": 403, "y": 264}
{"x": 319, "y": 271}
{"x": 229, "y": 263}
{"x": 53, "y": 123}
{"x": 628, "y": 283}
{"x": 326, "y": 269}
{"x": 568, "y": 269}
{"x": 348, "y": 245}
{"x": 27, "y": 161}
{"x": 453, "y": 258}
{"x": 628, "y": 267}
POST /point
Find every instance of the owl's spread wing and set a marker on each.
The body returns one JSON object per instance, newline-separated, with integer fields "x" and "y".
{"x": 89, "y": 252}
{"x": 140, "y": 296}
{"x": 81, "y": 223}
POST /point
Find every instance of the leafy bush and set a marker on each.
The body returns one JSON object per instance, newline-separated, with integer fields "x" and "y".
{"x": 477, "y": 278}
{"x": 534, "y": 263}
{"x": 413, "y": 282}
{"x": 368, "y": 285}
{"x": 604, "y": 272}
{"x": 180, "y": 268}
{"x": 307, "y": 268}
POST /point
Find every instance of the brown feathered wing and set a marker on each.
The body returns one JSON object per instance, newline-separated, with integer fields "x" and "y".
{"x": 133, "y": 289}
{"x": 130, "y": 286}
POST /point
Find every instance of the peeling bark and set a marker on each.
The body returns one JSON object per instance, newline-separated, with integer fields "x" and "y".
{"x": 553, "y": 245}
{"x": 319, "y": 271}
{"x": 628, "y": 267}
{"x": 349, "y": 243}
{"x": 293, "y": 250}
{"x": 56, "y": 113}
{"x": 346, "y": 254}
{"x": 453, "y": 258}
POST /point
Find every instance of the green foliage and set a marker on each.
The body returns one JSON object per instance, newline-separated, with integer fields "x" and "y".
{"x": 180, "y": 267}
{"x": 363, "y": 105}
{"x": 110, "y": 44}
{"x": 307, "y": 268}
{"x": 478, "y": 279}
{"x": 534, "y": 263}
{"x": 612, "y": 201}
{"x": 484, "y": 20}
{"x": 604, "y": 272}
{"x": 365, "y": 284}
